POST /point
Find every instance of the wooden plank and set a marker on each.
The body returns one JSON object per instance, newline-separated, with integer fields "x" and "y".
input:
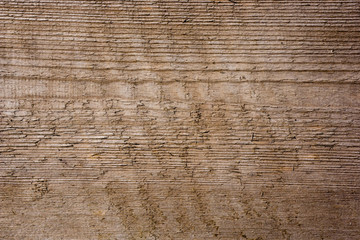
{"x": 180, "y": 119}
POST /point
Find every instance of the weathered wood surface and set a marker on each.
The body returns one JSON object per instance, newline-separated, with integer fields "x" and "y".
{"x": 180, "y": 119}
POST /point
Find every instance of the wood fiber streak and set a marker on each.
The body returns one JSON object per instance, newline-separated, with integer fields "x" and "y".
{"x": 196, "y": 119}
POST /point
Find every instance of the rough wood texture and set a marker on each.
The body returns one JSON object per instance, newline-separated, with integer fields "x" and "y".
{"x": 180, "y": 119}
